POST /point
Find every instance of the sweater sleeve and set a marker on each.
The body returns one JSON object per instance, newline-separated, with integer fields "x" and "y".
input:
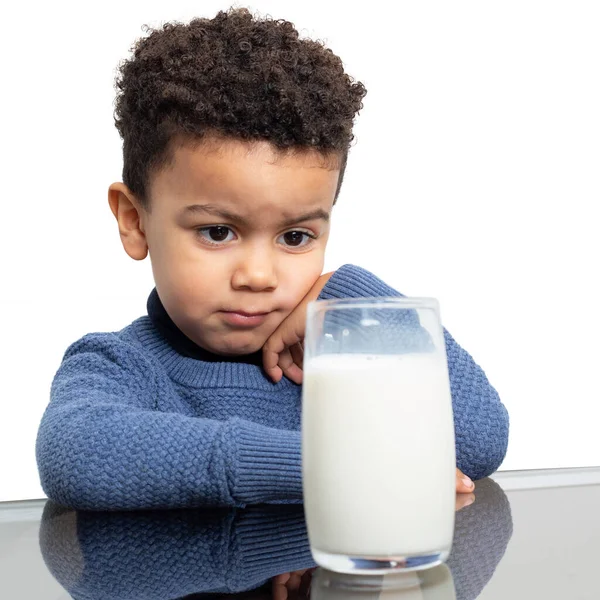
{"x": 481, "y": 421}
{"x": 103, "y": 444}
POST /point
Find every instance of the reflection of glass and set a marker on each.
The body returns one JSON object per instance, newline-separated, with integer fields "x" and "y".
{"x": 431, "y": 584}
{"x": 378, "y": 453}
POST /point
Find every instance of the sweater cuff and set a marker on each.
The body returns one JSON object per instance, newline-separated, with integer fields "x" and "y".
{"x": 271, "y": 541}
{"x": 267, "y": 464}
{"x": 350, "y": 281}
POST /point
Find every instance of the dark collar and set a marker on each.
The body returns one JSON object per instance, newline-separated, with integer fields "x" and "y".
{"x": 182, "y": 344}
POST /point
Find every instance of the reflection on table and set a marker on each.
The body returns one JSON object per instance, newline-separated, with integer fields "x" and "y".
{"x": 257, "y": 552}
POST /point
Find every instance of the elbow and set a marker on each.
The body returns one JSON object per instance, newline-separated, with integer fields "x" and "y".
{"x": 65, "y": 491}
{"x": 62, "y": 474}
{"x": 498, "y": 442}
{"x": 63, "y": 484}
{"x": 482, "y": 456}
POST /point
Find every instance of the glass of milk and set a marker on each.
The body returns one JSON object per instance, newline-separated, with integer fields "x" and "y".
{"x": 378, "y": 456}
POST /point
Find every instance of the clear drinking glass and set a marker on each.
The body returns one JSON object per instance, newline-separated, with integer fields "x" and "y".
{"x": 378, "y": 456}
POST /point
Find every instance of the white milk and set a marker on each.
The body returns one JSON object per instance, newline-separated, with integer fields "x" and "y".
{"x": 378, "y": 457}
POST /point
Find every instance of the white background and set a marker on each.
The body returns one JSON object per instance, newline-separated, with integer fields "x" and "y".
{"x": 474, "y": 179}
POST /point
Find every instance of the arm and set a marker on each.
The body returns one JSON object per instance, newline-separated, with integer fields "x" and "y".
{"x": 480, "y": 420}
{"x": 104, "y": 444}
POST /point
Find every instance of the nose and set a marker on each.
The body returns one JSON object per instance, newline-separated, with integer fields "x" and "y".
{"x": 255, "y": 270}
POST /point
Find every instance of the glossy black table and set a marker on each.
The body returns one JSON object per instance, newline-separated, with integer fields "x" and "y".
{"x": 529, "y": 534}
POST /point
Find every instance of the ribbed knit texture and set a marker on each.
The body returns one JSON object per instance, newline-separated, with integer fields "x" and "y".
{"x": 156, "y": 555}
{"x": 133, "y": 424}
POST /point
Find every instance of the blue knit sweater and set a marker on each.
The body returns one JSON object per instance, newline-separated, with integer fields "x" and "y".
{"x": 132, "y": 423}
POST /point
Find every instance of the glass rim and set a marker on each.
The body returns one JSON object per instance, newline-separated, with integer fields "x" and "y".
{"x": 376, "y": 302}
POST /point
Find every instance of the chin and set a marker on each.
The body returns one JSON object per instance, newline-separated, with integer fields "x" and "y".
{"x": 239, "y": 352}
{"x": 240, "y": 349}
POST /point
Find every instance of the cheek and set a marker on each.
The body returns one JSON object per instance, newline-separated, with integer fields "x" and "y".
{"x": 186, "y": 281}
{"x": 299, "y": 280}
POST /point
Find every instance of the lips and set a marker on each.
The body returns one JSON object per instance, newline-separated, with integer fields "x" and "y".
{"x": 244, "y": 319}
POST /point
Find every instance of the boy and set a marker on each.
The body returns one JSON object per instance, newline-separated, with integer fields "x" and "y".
{"x": 235, "y": 138}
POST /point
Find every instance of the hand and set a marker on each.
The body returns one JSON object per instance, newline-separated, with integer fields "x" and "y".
{"x": 298, "y": 583}
{"x": 283, "y": 352}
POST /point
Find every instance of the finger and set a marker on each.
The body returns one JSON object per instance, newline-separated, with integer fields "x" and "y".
{"x": 271, "y": 350}
{"x": 464, "y": 485}
{"x": 298, "y": 354}
{"x": 275, "y": 373}
{"x": 289, "y": 367}
{"x": 278, "y": 586}
{"x": 293, "y": 373}
{"x": 286, "y": 335}
{"x": 281, "y": 339}
{"x": 294, "y": 370}
{"x": 279, "y": 591}
{"x": 294, "y": 583}
{"x": 463, "y": 500}
{"x": 305, "y": 583}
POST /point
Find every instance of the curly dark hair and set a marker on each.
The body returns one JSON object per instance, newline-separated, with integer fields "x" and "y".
{"x": 233, "y": 76}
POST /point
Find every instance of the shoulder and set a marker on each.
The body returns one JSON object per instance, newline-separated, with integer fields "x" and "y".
{"x": 119, "y": 349}
{"x": 352, "y": 281}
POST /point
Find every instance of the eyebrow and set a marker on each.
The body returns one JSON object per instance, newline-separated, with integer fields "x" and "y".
{"x": 215, "y": 211}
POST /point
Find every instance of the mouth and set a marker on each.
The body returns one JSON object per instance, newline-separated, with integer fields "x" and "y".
{"x": 244, "y": 319}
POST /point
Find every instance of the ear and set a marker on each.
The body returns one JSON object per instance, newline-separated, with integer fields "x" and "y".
{"x": 128, "y": 212}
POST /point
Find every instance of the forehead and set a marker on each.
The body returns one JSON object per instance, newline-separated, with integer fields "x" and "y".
{"x": 255, "y": 176}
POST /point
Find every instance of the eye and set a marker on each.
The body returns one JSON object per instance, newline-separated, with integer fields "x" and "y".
{"x": 297, "y": 239}
{"x": 216, "y": 234}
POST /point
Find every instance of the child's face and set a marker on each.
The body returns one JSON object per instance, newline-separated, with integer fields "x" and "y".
{"x": 237, "y": 228}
